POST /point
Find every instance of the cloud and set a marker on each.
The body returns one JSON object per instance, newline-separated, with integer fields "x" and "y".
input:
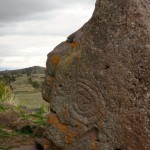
{"x": 43, "y": 17}
{"x": 59, "y": 23}
{"x": 14, "y": 10}
{"x": 30, "y": 29}
{"x": 21, "y": 62}
{"x": 27, "y": 45}
{"x": 19, "y": 10}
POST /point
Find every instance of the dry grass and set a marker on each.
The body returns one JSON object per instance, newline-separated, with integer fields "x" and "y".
{"x": 31, "y": 100}
{"x": 25, "y": 94}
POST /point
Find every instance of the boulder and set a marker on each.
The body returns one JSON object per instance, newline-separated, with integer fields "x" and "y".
{"x": 98, "y": 81}
{"x": 8, "y": 117}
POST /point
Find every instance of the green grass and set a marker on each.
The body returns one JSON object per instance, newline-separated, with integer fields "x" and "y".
{"x": 25, "y": 94}
{"x": 40, "y": 118}
{"x": 7, "y": 136}
{"x": 3, "y": 108}
{"x": 5, "y": 133}
{"x": 37, "y": 117}
{"x": 5, "y": 92}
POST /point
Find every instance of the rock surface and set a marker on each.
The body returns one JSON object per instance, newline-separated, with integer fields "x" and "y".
{"x": 98, "y": 81}
{"x": 28, "y": 147}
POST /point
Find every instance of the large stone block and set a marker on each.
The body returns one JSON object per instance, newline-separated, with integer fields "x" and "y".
{"x": 98, "y": 81}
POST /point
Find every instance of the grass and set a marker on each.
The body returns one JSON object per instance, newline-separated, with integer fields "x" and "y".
{"x": 5, "y": 133}
{"x": 27, "y": 132}
{"x": 5, "y": 92}
{"x": 24, "y": 95}
{"x": 37, "y": 117}
{"x": 30, "y": 100}
{"x": 9, "y": 138}
{"x": 3, "y": 108}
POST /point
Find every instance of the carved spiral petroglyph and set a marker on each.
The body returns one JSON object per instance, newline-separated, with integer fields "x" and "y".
{"x": 85, "y": 106}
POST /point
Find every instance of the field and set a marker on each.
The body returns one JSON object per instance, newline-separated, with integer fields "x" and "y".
{"x": 27, "y": 91}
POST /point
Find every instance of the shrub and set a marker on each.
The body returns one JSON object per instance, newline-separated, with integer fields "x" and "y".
{"x": 30, "y": 80}
{"x": 8, "y": 78}
{"x": 35, "y": 84}
{"x": 13, "y": 78}
{"x": 5, "y": 92}
{"x": 28, "y": 74}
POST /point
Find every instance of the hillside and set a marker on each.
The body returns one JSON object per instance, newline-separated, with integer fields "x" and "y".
{"x": 26, "y": 85}
{"x": 22, "y": 109}
{"x": 27, "y": 90}
{"x": 30, "y": 70}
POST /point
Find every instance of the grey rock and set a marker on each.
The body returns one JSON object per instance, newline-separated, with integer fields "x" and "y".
{"x": 100, "y": 88}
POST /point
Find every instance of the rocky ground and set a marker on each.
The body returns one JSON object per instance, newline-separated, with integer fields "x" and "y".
{"x": 20, "y": 126}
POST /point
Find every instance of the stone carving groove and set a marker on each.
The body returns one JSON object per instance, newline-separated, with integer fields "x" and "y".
{"x": 85, "y": 107}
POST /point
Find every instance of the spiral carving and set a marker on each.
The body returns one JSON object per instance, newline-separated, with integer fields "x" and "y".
{"x": 85, "y": 106}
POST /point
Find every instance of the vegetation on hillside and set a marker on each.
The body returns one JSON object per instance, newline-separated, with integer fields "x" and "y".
{"x": 5, "y": 91}
{"x": 23, "y": 112}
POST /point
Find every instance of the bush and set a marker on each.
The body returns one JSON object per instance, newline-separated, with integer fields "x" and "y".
{"x": 13, "y": 78}
{"x": 9, "y": 78}
{"x": 35, "y": 84}
{"x": 29, "y": 74}
{"x": 30, "y": 80}
{"x": 5, "y": 92}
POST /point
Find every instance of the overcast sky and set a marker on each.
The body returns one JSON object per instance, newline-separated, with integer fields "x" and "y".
{"x": 30, "y": 29}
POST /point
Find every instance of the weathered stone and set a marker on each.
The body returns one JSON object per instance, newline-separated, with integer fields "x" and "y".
{"x": 44, "y": 144}
{"x": 27, "y": 147}
{"x": 100, "y": 92}
{"x": 8, "y": 117}
{"x": 22, "y": 124}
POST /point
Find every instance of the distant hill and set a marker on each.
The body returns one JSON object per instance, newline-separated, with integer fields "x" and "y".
{"x": 30, "y": 70}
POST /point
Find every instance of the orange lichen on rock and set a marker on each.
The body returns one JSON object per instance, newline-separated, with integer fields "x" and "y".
{"x": 62, "y": 127}
{"x": 53, "y": 120}
{"x": 55, "y": 59}
{"x": 69, "y": 136}
{"x": 94, "y": 146}
{"x": 74, "y": 44}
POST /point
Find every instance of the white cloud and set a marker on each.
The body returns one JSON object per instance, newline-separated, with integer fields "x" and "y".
{"x": 28, "y": 45}
{"x": 28, "y": 34}
{"x": 22, "y": 62}
{"x": 19, "y": 10}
